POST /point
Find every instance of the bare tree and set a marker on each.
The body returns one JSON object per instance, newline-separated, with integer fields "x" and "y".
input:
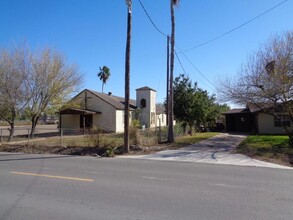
{"x": 14, "y": 67}
{"x": 51, "y": 82}
{"x": 266, "y": 80}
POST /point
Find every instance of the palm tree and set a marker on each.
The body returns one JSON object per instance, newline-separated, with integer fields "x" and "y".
{"x": 170, "y": 107}
{"x": 127, "y": 76}
{"x": 104, "y": 75}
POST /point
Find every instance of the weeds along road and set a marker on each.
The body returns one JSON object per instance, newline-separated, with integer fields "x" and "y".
{"x": 68, "y": 187}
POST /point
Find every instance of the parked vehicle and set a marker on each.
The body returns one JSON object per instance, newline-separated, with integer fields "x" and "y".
{"x": 51, "y": 121}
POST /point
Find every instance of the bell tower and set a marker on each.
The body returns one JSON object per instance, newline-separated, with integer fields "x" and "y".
{"x": 146, "y": 102}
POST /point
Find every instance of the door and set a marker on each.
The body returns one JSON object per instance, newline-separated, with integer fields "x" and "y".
{"x": 86, "y": 121}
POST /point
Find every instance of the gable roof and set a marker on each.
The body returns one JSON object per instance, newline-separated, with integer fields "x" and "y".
{"x": 250, "y": 108}
{"x": 116, "y": 101}
{"x": 132, "y": 102}
{"x": 237, "y": 111}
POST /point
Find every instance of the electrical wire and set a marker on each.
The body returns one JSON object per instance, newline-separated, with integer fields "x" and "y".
{"x": 155, "y": 26}
{"x": 188, "y": 74}
{"x": 149, "y": 17}
{"x": 183, "y": 53}
{"x": 181, "y": 64}
{"x": 236, "y": 28}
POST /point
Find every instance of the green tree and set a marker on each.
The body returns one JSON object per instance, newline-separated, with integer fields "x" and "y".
{"x": 104, "y": 75}
{"x": 193, "y": 105}
{"x": 184, "y": 100}
{"x": 171, "y": 93}
{"x": 127, "y": 76}
{"x": 214, "y": 112}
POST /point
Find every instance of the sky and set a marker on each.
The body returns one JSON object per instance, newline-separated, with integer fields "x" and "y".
{"x": 92, "y": 33}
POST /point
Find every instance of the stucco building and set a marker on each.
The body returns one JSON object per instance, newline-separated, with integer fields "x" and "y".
{"x": 106, "y": 111}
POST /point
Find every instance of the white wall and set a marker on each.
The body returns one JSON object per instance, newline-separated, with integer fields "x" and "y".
{"x": 70, "y": 121}
{"x": 147, "y": 114}
{"x": 266, "y": 125}
{"x": 161, "y": 120}
{"x": 119, "y": 121}
{"x": 153, "y": 109}
{"x": 107, "y": 119}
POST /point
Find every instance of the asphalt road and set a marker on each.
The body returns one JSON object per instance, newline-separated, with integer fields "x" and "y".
{"x": 67, "y": 187}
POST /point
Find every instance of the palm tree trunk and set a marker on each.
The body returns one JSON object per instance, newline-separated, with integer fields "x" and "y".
{"x": 168, "y": 80}
{"x": 127, "y": 79}
{"x": 170, "y": 125}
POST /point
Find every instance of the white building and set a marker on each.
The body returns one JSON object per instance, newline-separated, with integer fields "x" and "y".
{"x": 106, "y": 111}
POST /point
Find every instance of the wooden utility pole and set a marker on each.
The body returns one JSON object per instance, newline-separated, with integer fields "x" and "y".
{"x": 170, "y": 126}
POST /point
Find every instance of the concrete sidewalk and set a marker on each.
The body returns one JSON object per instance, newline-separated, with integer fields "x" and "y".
{"x": 215, "y": 150}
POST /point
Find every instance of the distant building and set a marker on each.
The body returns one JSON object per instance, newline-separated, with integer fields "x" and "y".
{"x": 256, "y": 120}
{"x": 106, "y": 111}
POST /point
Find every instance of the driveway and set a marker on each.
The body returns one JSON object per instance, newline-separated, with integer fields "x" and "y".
{"x": 215, "y": 150}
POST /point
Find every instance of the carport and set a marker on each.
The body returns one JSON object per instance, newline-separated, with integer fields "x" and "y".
{"x": 85, "y": 116}
{"x": 239, "y": 120}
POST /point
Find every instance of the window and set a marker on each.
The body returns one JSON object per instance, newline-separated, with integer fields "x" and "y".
{"x": 282, "y": 120}
{"x": 143, "y": 103}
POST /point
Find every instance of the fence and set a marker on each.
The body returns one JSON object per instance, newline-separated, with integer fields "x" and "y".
{"x": 52, "y": 135}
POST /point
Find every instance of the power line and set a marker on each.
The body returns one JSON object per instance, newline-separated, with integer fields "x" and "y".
{"x": 195, "y": 68}
{"x": 155, "y": 26}
{"x": 180, "y": 63}
{"x": 182, "y": 52}
{"x": 236, "y": 28}
{"x": 149, "y": 17}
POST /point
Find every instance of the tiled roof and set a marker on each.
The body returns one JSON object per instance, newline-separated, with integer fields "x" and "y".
{"x": 160, "y": 110}
{"x": 145, "y": 88}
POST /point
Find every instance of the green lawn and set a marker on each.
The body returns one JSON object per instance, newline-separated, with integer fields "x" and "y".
{"x": 267, "y": 147}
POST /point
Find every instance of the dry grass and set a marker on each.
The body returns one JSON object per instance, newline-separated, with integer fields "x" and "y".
{"x": 99, "y": 143}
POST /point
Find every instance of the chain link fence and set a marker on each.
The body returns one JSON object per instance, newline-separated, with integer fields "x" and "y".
{"x": 53, "y": 136}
